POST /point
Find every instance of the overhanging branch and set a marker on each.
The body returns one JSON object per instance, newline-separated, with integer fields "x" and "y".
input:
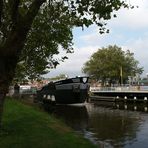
{"x": 14, "y": 10}
{"x": 33, "y": 10}
{"x": 1, "y": 10}
{"x": 17, "y": 36}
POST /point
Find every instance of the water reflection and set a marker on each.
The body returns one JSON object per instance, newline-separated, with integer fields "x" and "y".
{"x": 131, "y": 106}
{"x": 74, "y": 116}
{"x": 113, "y": 128}
{"x": 107, "y": 124}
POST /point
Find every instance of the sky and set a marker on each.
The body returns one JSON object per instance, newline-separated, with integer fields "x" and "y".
{"x": 128, "y": 31}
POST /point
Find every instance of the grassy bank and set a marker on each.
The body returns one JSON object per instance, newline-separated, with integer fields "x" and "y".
{"x": 28, "y": 127}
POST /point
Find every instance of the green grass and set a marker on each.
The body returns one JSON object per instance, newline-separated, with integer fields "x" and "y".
{"x": 28, "y": 127}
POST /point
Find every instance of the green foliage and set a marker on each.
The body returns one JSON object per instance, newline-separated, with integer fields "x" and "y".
{"x": 49, "y": 32}
{"x": 48, "y": 29}
{"x": 106, "y": 63}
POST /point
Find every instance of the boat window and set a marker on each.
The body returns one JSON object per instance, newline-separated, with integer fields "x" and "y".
{"x": 76, "y": 80}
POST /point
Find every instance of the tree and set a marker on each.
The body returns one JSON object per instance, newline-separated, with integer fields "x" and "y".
{"x": 17, "y": 30}
{"x": 112, "y": 64}
{"x": 39, "y": 49}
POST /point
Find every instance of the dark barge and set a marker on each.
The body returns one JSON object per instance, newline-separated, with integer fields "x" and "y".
{"x": 68, "y": 91}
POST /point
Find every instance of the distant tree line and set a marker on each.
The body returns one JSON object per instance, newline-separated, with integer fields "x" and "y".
{"x": 59, "y": 77}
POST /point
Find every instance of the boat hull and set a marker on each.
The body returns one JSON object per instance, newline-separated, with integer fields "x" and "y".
{"x": 70, "y": 97}
{"x": 69, "y": 91}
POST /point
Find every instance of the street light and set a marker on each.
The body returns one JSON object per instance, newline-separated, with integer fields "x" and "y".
{"x": 147, "y": 75}
{"x": 121, "y": 75}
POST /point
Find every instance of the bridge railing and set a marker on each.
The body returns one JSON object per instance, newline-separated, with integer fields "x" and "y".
{"x": 119, "y": 88}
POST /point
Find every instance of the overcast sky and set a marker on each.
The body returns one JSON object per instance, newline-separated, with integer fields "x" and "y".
{"x": 129, "y": 31}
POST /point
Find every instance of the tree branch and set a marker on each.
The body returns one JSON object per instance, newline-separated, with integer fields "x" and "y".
{"x": 17, "y": 36}
{"x": 14, "y": 10}
{"x": 1, "y": 10}
{"x": 33, "y": 10}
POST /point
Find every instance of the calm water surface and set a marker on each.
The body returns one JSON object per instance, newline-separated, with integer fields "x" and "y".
{"x": 107, "y": 125}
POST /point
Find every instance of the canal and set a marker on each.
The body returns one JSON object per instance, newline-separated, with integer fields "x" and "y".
{"x": 107, "y": 124}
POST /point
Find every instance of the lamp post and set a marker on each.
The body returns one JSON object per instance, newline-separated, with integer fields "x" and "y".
{"x": 147, "y": 75}
{"x": 129, "y": 80}
{"x": 121, "y": 75}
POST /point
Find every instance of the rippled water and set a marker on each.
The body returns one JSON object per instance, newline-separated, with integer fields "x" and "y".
{"x": 107, "y": 125}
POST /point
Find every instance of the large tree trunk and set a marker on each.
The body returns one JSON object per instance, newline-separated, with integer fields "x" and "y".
{"x": 7, "y": 71}
{"x": 2, "y": 99}
{"x": 11, "y": 48}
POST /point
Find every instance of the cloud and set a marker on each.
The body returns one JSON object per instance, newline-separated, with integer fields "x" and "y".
{"x": 140, "y": 49}
{"x": 73, "y": 65}
{"x": 94, "y": 38}
{"x": 132, "y": 18}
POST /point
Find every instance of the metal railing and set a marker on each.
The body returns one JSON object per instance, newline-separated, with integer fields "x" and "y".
{"x": 29, "y": 91}
{"x": 119, "y": 88}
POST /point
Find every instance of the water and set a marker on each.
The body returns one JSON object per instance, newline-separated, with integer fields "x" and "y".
{"x": 107, "y": 125}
